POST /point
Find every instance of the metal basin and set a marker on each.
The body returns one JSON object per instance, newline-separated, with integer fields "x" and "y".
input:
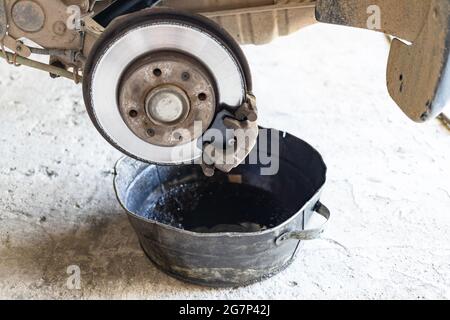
{"x": 229, "y": 230}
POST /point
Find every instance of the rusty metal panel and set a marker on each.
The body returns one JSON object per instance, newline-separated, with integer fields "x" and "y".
{"x": 253, "y": 21}
{"x": 401, "y": 18}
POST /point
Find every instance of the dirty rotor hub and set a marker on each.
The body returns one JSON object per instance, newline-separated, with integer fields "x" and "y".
{"x": 167, "y": 98}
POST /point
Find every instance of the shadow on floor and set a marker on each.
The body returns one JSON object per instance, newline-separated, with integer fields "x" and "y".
{"x": 102, "y": 244}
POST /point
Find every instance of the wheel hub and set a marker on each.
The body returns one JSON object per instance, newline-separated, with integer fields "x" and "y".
{"x": 167, "y": 99}
{"x": 160, "y": 84}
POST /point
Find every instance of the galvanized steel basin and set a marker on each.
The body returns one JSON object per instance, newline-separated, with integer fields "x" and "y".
{"x": 229, "y": 230}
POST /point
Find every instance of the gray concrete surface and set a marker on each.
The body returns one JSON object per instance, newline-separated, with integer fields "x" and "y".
{"x": 388, "y": 188}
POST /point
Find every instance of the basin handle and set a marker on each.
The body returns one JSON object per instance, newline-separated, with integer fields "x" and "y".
{"x": 310, "y": 234}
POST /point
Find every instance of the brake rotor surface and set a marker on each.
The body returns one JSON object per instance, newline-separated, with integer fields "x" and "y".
{"x": 155, "y": 75}
{"x": 163, "y": 94}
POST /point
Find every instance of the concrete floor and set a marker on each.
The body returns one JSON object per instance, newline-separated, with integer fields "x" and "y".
{"x": 388, "y": 184}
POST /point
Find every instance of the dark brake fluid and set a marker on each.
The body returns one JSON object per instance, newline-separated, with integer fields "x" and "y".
{"x": 218, "y": 207}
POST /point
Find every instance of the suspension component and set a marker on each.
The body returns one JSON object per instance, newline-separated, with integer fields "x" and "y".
{"x": 159, "y": 82}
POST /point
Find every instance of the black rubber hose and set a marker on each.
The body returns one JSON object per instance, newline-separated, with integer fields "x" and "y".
{"x": 121, "y": 7}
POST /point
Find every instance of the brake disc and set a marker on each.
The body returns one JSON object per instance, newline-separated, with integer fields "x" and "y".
{"x": 158, "y": 81}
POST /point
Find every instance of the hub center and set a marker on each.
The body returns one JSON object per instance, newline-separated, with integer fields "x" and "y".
{"x": 167, "y": 105}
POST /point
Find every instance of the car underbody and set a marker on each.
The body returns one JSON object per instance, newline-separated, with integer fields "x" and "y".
{"x": 163, "y": 79}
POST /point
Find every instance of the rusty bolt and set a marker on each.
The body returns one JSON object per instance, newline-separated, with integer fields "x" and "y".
{"x": 59, "y": 28}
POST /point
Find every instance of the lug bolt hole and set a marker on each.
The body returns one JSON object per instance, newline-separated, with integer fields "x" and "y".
{"x": 436, "y": 13}
{"x": 157, "y": 72}
{"x": 151, "y": 132}
{"x": 202, "y": 96}
{"x": 133, "y": 113}
{"x": 185, "y": 76}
